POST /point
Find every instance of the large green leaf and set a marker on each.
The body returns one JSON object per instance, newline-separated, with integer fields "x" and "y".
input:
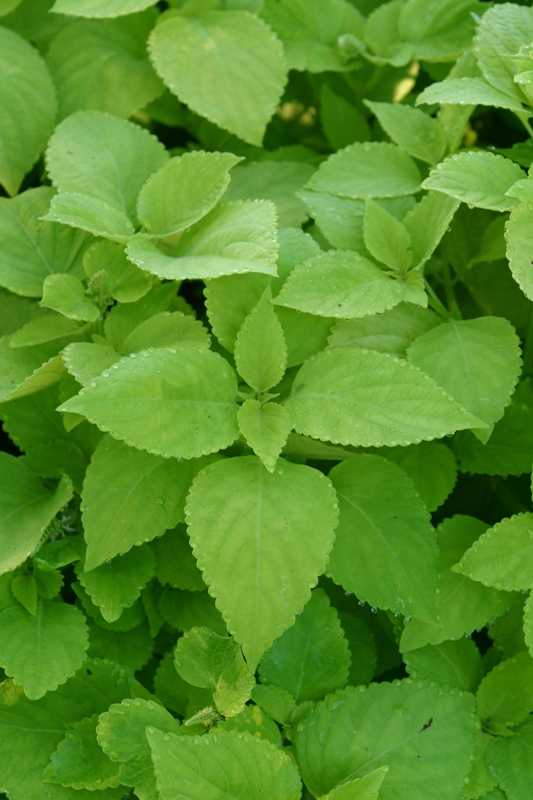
{"x": 456, "y": 663}
{"x": 360, "y": 397}
{"x": 505, "y": 696}
{"x": 510, "y": 762}
{"x": 417, "y": 133}
{"x": 26, "y": 508}
{"x": 239, "y": 85}
{"x": 100, "y": 8}
{"x": 312, "y": 658}
{"x": 265, "y": 428}
{"x": 260, "y": 350}
{"x": 260, "y": 549}
{"x": 214, "y": 766}
{"x": 424, "y": 733}
{"x": 520, "y": 247}
{"x": 28, "y": 100}
{"x": 177, "y": 403}
{"x": 385, "y": 549}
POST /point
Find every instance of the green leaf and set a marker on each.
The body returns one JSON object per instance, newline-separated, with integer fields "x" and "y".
{"x": 505, "y": 696}
{"x": 342, "y": 122}
{"x": 503, "y": 556}
{"x": 260, "y": 350}
{"x": 240, "y": 85}
{"x": 364, "y": 398}
{"x": 168, "y": 330}
{"x": 121, "y": 734}
{"x": 528, "y": 624}
{"x": 519, "y": 247}
{"x": 385, "y": 549}
{"x": 133, "y": 648}
{"x": 128, "y": 497}
{"x": 276, "y": 702}
{"x": 265, "y": 428}
{"x": 32, "y": 249}
{"x": 79, "y": 761}
{"x": 125, "y": 282}
{"x": 414, "y": 131}
{"x": 477, "y": 361}
{"x": 427, "y": 223}
{"x": 90, "y": 214}
{"x": 279, "y": 545}
{"x": 26, "y": 370}
{"x": 312, "y": 32}
{"x": 362, "y": 649}
{"x": 100, "y": 8}
{"x": 382, "y": 36}
{"x": 16, "y": 312}
{"x": 131, "y": 617}
{"x": 185, "y": 610}
{"x": 367, "y": 169}
{"x": 41, "y": 651}
{"x": 468, "y": 91}
{"x": 339, "y": 218}
{"x": 86, "y": 361}
{"x": 174, "y": 561}
{"x": 432, "y": 468}
{"x": 339, "y": 284}
{"x": 189, "y": 413}
{"x": 456, "y": 664}
{"x": 478, "y": 178}
{"x": 413, "y": 719}
{"x": 386, "y": 238}
{"x": 366, "y": 788}
{"x": 66, "y": 295}
{"x": 213, "y": 766}
{"x": 509, "y": 761}
{"x": 480, "y": 781}
{"x": 28, "y": 100}
{"x": 463, "y": 605}
{"x": 439, "y": 30}
{"x": 44, "y": 329}
{"x": 253, "y": 720}
{"x": 183, "y": 191}
{"x": 24, "y": 589}
{"x": 234, "y": 238}
{"x": 214, "y": 662}
{"x": 26, "y": 508}
{"x": 312, "y": 658}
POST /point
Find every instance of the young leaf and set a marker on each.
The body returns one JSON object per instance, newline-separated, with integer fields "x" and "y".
{"x": 86, "y": 361}
{"x": 187, "y": 413}
{"x": 427, "y": 223}
{"x": 174, "y": 561}
{"x": 192, "y": 766}
{"x": 100, "y": 8}
{"x": 312, "y": 658}
{"x": 456, "y": 664}
{"x": 478, "y": 178}
{"x": 125, "y": 282}
{"x": 28, "y": 99}
{"x": 509, "y": 761}
{"x": 432, "y": 468}
{"x": 385, "y": 550}
{"x": 414, "y": 131}
{"x": 366, "y": 788}
{"x": 66, "y": 295}
{"x": 214, "y": 662}
{"x": 265, "y": 428}
{"x": 260, "y": 351}
{"x": 41, "y": 651}
{"x": 386, "y": 238}
{"x": 364, "y": 398}
{"x": 239, "y": 87}
{"x": 505, "y": 696}
{"x": 278, "y": 545}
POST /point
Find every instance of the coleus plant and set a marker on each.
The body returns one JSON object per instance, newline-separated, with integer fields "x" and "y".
{"x": 265, "y": 370}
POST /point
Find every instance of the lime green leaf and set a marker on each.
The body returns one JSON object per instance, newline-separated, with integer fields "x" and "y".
{"x": 41, "y": 651}
{"x": 520, "y": 247}
{"x": 128, "y": 497}
{"x": 366, "y": 788}
{"x": 265, "y": 428}
{"x": 352, "y": 396}
{"x": 278, "y": 546}
{"x": 505, "y": 696}
{"x": 339, "y": 218}
{"x": 414, "y": 131}
{"x": 24, "y": 589}
{"x": 26, "y": 509}
{"x": 132, "y": 648}
{"x": 28, "y": 100}
{"x": 276, "y": 702}
{"x": 240, "y": 85}
{"x": 309, "y": 448}
{"x": 305, "y": 334}
{"x": 253, "y": 720}
{"x": 90, "y": 214}
{"x": 418, "y": 724}
{"x": 189, "y": 413}
{"x": 174, "y": 561}
{"x": 85, "y": 361}
{"x": 168, "y": 330}
{"x": 310, "y": 31}
{"x": 100, "y": 8}
{"x": 367, "y": 169}
{"x": 213, "y": 766}
{"x": 121, "y": 734}
{"x": 25, "y": 370}
{"x": 463, "y": 605}
{"x": 214, "y": 662}
{"x": 509, "y": 761}
{"x": 79, "y": 761}
{"x": 448, "y": 663}
{"x": 233, "y": 238}
{"x": 183, "y": 191}
{"x": 478, "y": 178}
{"x": 468, "y": 91}
{"x": 339, "y": 284}
{"x": 439, "y": 30}
{"x": 43, "y": 329}
{"x": 124, "y": 282}
{"x": 386, "y": 238}
{"x": 185, "y": 610}
{"x": 385, "y": 549}
{"x": 260, "y": 350}
{"x": 503, "y": 556}
{"x": 312, "y": 658}
{"x": 432, "y": 468}
{"x": 66, "y": 294}
{"x": 477, "y": 361}
{"x": 427, "y": 223}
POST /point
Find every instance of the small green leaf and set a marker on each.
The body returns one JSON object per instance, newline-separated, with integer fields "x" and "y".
{"x": 468, "y": 91}
{"x": 49, "y": 581}
{"x": 414, "y": 131}
{"x": 519, "y": 247}
{"x": 185, "y": 610}
{"x": 432, "y": 468}
{"x": 509, "y": 761}
{"x": 24, "y": 589}
{"x": 66, "y": 295}
{"x": 260, "y": 350}
{"x": 386, "y": 238}
{"x": 276, "y": 702}
{"x": 366, "y": 788}
{"x": 174, "y": 561}
{"x": 265, "y": 428}
{"x": 340, "y": 219}
{"x": 100, "y": 8}
{"x": 125, "y": 282}
{"x": 457, "y": 663}
{"x": 427, "y": 223}
{"x": 90, "y": 214}
{"x": 86, "y": 361}
{"x": 255, "y": 721}
{"x": 505, "y": 696}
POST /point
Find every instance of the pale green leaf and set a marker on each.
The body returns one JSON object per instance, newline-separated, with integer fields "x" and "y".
{"x": 427, "y": 223}
{"x": 240, "y": 84}
{"x": 414, "y": 131}
{"x": 223, "y": 765}
{"x": 367, "y": 169}
{"x": 468, "y": 91}
{"x": 26, "y": 508}
{"x": 25, "y": 370}
{"x": 265, "y": 428}
{"x": 366, "y": 788}
{"x": 259, "y": 548}
{"x": 312, "y": 658}
{"x": 174, "y": 561}
{"x": 505, "y": 695}
{"x": 520, "y": 247}
{"x": 209, "y": 661}
{"x": 260, "y": 350}
{"x": 456, "y": 663}
{"x": 125, "y": 282}
{"x": 478, "y": 178}
{"x": 509, "y": 761}
{"x": 351, "y": 396}
{"x": 189, "y": 412}
{"x": 85, "y": 361}
{"x": 385, "y": 549}
{"x": 168, "y": 330}
{"x": 308, "y": 448}
{"x": 400, "y": 725}
{"x": 183, "y": 191}
{"x": 386, "y": 238}
{"x": 90, "y": 214}
{"x": 129, "y": 496}
{"x": 44, "y": 329}
{"x": 41, "y": 651}
{"x": 28, "y": 100}
{"x": 438, "y": 30}
{"x": 432, "y": 468}
{"x": 100, "y": 8}
{"x": 66, "y": 295}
